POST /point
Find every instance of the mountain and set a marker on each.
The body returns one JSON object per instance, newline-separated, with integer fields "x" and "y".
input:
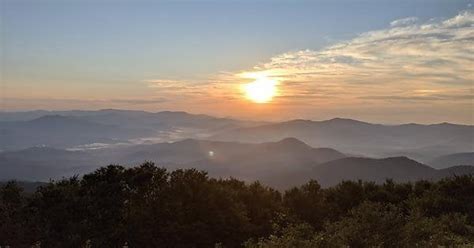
{"x": 233, "y": 157}
{"x": 160, "y": 120}
{"x": 44, "y": 163}
{"x": 282, "y": 164}
{"x": 422, "y": 142}
{"x": 466, "y": 158}
{"x": 135, "y": 118}
{"x": 454, "y": 171}
{"x": 400, "y": 169}
{"x": 66, "y": 129}
{"x": 222, "y": 159}
{"x": 62, "y": 132}
{"x": 266, "y": 162}
{"x": 84, "y": 129}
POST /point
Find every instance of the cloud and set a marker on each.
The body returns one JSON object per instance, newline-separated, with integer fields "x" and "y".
{"x": 396, "y": 61}
{"x": 437, "y": 97}
{"x": 404, "y": 21}
{"x": 177, "y": 89}
{"x": 215, "y": 88}
{"x": 13, "y": 103}
{"x": 424, "y": 67}
{"x": 138, "y": 101}
{"x": 167, "y": 84}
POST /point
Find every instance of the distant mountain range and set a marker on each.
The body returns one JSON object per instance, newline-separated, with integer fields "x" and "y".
{"x": 465, "y": 158}
{"x": 66, "y": 129}
{"x": 135, "y": 119}
{"x": 92, "y": 129}
{"x": 421, "y": 142}
{"x": 281, "y": 164}
{"x": 62, "y": 131}
{"x": 400, "y": 169}
{"x": 39, "y": 145}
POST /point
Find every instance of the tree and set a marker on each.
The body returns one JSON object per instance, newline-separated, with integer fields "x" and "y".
{"x": 308, "y": 204}
{"x": 16, "y": 229}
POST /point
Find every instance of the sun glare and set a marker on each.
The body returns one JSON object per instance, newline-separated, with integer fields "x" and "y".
{"x": 262, "y": 90}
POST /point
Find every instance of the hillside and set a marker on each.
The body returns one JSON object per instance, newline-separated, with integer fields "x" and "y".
{"x": 44, "y": 163}
{"x": 421, "y": 142}
{"x": 282, "y": 164}
{"x": 400, "y": 169}
{"x": 83, "y": 129}
{"x": 466, "y": 158}
{"x": 62, "y": 132}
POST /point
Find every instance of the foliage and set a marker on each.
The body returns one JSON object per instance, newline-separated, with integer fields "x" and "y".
{"x": 148, "y": 206}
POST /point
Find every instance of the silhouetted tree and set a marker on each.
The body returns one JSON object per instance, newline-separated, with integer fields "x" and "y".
{"x": 148, "y": 206}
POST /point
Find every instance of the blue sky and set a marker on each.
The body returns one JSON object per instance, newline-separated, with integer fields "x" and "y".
{"x": 183, "y": 39}
{"x": 109, "y": 47}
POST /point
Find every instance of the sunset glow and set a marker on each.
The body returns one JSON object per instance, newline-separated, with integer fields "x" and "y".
{"x": 294, "y": 61}
{"x": 262, "y": 90}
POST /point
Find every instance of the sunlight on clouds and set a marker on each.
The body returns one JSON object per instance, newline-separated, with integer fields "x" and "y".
{"x": 410, "y": 65}
{"x": 402, "y": 61}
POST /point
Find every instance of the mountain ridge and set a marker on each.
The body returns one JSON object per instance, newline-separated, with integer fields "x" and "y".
{"x": 422, "y": 142}
{"x": 449, "y": 160}
{"x": 282, "y": 164}
{"x": 78, "y": 112}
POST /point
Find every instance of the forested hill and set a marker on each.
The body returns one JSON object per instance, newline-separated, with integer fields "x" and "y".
{"x": 147, "y": 206}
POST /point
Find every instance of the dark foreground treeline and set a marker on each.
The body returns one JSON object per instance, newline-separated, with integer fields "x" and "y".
{"x": 147, "y": 206}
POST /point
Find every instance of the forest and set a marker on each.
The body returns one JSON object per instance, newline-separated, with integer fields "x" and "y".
{"x": 149, "y": 206}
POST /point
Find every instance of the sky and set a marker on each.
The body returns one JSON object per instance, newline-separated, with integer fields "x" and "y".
{"x": 382, "y": 61}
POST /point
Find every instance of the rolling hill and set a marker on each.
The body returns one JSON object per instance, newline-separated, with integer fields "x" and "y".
{"x": 282, "y": 164}
{"x": 62, "y": 132}
{"x": 466, "y": 158}
{"x": 67, "y": 129}
{"x": 421, "y": 142}
{"x": 400, "y": 169}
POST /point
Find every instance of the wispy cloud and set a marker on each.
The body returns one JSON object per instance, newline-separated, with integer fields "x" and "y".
{"x": 220, "y": 87}
{"x": 404, "y": 21}
{"x": 420, "y": 67}
{"x": 167, "y": 84}
{"x": 397, "y": 61}
{"x": 61, "y": 104}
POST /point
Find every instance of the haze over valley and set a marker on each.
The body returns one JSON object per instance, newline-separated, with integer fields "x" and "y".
{"x": 44, "y": 145}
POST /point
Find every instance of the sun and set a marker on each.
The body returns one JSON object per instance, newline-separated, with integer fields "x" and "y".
{"x": 262, "y": 90}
